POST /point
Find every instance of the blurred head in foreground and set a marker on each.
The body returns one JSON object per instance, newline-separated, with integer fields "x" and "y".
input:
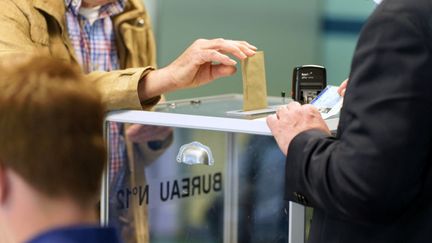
{"x": 52, "y": 152}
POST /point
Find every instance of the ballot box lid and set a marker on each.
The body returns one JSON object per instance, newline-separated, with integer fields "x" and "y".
{"x": 207, "y": 113}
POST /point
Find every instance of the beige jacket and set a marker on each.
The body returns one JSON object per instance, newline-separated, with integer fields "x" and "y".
{"x": 38, "y": 26}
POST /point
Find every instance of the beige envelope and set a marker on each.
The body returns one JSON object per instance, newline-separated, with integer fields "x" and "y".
{"x": 254, "y": 82}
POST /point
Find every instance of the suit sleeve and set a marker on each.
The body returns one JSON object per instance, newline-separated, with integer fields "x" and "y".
{"x": 373, "y": 170}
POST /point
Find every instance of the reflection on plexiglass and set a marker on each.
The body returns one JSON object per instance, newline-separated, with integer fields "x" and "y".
{"x": 161, "y": 200}
{"x": 153, "y": 198}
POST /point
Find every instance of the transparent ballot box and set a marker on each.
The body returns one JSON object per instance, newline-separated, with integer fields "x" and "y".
{"x": 197, "y": 171}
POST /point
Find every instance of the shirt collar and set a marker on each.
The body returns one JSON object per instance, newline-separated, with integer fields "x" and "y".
{"x": 73, "y": 5}
{"x": 106, "y": 10}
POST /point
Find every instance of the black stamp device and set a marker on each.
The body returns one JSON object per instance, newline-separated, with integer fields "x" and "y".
{"x": 307, "y": 82}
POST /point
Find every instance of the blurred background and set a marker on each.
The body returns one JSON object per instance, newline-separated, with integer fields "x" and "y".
{"x": 290, "y": 32}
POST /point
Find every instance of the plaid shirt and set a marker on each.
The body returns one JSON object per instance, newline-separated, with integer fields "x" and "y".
{"x": 94, "y": 44}
{"x": 95, "y": 49}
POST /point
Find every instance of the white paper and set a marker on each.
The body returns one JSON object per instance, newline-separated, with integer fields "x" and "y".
{"x": 328, "y": 102}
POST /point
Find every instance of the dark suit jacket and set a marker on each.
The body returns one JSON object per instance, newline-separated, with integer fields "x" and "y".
{"x": 372, "y": 182}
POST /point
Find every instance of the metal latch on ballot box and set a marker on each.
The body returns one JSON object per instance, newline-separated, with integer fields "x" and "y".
{"x": 195, "y": 153}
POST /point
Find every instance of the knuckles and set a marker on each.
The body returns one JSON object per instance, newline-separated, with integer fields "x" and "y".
{"x": 213, "y": 53}
{"x": 219, "y": 41}
{"x": 199, "y": 42}
{"x": 245, "y": 43}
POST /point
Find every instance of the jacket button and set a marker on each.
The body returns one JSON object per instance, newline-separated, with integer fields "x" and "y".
{"x": 297, "y": 196}
{"x": 140, "y": 22}
{"x": 300, "y": 198}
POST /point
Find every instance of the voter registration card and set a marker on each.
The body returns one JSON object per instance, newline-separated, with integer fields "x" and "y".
{"x": 328, "y": 102}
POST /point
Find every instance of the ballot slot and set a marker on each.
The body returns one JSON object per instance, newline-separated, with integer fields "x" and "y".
{"x": 254, "y": 113}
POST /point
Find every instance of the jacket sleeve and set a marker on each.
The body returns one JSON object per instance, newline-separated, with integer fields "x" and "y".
{"x": 119, "y": 88}
{"x": 22, "y": 32}
{"x": 374, "y": 169}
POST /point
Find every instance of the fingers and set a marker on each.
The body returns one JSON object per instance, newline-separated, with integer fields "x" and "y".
{"x": 293, "y": 105}
{"x": 221, "y": 43}
{"x": 311, "y": 109}
{"x": 342, "y": 92}
{"x": 277, "y": 128}
{"x": 215, "y": 56}
{"x": 281, "y": 111}
{"x": 203, "y": 62}
{"x": 290, "y": 107}
{"x": 219, "y": 71}
{"x": 342, "y": 88}
{"x": 245, "y": 47}
{"x": 249, "y": 45}
{"x": 293, "y": 119}
{"x": 271, "y": 121}
{"x": 239, "y": 49}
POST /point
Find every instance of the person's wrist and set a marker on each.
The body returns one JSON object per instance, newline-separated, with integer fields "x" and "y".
{"x": 142, "y": 86}
{"x": 168, "y": 76}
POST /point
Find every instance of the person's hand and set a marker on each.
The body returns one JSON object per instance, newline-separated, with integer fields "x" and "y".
{"x": 293, "y": 119}
{"x": 207, "y": 60}
{"x": 138, "y": 133}
{"x": 201, "y": 63}
{"x": 342, "y": 88}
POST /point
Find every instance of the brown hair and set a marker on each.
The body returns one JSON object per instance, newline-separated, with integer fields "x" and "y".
{"x": 51, "y": 128}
